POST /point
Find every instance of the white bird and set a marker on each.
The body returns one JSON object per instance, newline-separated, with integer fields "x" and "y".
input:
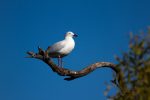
{"x": 62, "y": 48}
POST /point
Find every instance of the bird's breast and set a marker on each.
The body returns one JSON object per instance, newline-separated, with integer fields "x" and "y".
{"x": 62, "y": 48}
{"x": 68, "y": 47}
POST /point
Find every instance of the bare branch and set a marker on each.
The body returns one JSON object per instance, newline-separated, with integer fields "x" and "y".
{"x": 71, "y": 75}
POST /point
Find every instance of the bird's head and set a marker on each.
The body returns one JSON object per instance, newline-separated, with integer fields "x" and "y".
{"x": 71, "y": 34}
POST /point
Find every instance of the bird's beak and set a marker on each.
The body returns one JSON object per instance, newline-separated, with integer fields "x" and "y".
{"x": 75, "y": 35}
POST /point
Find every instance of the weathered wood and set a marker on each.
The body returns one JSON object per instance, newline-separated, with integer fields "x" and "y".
{"x": 71, "y": 75}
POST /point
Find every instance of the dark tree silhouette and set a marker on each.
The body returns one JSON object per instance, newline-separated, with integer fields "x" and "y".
{"x": 135, "y": 69}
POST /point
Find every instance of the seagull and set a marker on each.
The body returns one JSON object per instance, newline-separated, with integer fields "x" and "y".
{"x": 62, "y": 48}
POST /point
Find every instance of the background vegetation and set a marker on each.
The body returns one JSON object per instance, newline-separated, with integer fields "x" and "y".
{"x": 134, "y": 68}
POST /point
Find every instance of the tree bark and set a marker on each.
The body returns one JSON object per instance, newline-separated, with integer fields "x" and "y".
{"x": 71, "y": 75}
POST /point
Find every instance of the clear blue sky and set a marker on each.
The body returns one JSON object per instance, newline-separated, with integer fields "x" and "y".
{"x": 103, "y": 28}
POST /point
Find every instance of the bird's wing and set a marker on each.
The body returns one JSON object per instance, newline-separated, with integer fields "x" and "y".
{"x": 56, "y": 47}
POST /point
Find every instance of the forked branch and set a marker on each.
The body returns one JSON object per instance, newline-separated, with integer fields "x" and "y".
{"x": 42, "y": 55}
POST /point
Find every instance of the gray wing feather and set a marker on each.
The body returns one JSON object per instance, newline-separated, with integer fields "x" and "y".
{"x": 56, "y": 47}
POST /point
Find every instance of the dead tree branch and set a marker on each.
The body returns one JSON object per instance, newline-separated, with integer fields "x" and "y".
{"x": 71, "y": 75}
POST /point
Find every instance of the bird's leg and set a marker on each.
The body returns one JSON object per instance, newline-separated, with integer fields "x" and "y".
{"x": 59, "y": 61}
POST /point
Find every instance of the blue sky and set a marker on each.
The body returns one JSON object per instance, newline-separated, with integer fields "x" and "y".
{"x": 103, "y": 28}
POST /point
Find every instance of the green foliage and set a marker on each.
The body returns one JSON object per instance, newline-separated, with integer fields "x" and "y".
{"x": 134, "y": 69}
